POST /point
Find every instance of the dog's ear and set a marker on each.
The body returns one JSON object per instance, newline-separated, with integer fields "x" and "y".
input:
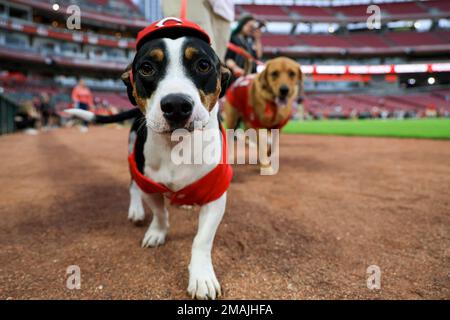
{"x": 301, "y": 87}
{"x": 264, "y": 78}
{"x": 225, "y": 76}
{"x": 300, "y": 73}
{"x": 126, "y": 78}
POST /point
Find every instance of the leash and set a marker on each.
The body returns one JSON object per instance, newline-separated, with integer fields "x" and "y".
{"x": 183, "y": 9}
{"x": 238, "y": 50}
{"x": 242, "y": 52}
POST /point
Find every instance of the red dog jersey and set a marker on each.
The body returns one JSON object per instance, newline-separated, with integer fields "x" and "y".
{"x": 238, "y": 96}
{"x": 209, "y": 188}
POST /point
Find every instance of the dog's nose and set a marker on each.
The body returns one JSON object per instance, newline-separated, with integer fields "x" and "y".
{"x": 284, "y": 90}
{"x": 177, "y": 108}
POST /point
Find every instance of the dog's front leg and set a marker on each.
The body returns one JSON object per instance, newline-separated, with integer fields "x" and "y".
{"x": 203, "y": 282}
{"x": 136, "y": 211}
{"x": 157, "y": 231}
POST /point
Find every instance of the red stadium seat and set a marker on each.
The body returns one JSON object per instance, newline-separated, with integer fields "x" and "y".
{"x": 442, "y": 5}
{"x": 273, "y": 40}
{"x": 352, "y": 11}
{"x": 367, "y": 40}
{"x": 311, "y": 11}
{"x": 412, "y": 38}
{"x": 402, "y": 8}
{"x": 331, "y": 105}
{"x": 264, "y": 10}
{"x": 322, "y": 40}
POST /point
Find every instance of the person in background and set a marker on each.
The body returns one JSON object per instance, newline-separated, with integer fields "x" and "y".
{"x": 26, "y": 118}
{"x": 247, "y": 36}
{"x": 214, "y": 16}
{"x": 82, "y": 99}
{"x": 46, "y": 109}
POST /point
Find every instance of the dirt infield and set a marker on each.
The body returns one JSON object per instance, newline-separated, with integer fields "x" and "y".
{"x": 337, "y": 206}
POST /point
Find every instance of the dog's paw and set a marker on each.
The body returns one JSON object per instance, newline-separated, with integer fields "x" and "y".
{"x": 154, "y": 237}
{"x": 203, "y": 283}
{"x": 267, "y": 170}
{"x": 136, "y": 212}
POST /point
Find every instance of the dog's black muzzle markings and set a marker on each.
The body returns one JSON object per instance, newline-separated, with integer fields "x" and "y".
{"x": 177, "y": 109}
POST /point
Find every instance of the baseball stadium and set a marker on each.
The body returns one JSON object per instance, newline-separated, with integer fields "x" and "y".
{"x": 364, "y": 153}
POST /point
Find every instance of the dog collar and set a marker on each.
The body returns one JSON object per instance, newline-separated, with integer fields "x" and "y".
{"x": 207, "y": 189}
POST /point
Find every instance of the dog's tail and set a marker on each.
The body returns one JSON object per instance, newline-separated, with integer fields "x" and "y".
{"x": 92, "y": 117}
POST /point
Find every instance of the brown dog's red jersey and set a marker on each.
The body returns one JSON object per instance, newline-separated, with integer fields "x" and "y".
{"x": 238, "y": 96}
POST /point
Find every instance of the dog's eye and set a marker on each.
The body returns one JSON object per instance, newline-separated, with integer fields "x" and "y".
{"x": 275, "y": 74}
{"x": 146, "y": 69}
{"x": 291, "y": 74}
{"x": 203, "y": 66}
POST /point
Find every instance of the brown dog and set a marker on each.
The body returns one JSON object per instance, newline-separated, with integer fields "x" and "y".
{"x": 265, "y": 100}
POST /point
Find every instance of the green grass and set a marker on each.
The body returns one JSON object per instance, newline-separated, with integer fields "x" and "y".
{"x": 411, "y": 128}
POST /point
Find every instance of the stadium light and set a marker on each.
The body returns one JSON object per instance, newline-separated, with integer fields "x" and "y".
{"x": 411, "y": 81}
{"x": 55, "y": 6}
{"x": 431, "y": 81}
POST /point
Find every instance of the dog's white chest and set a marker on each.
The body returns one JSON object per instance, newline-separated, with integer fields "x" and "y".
{"x": 161, "y": 167}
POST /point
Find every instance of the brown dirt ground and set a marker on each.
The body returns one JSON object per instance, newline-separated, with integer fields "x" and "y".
{"x": 338, "y": 205}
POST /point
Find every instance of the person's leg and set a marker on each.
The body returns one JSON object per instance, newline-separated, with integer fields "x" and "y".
{"x": 221, "y": 35}
{"x": 200, "y": 12}
{"x": 45, "y": 117}
{"x": 84, "y": 106}
{"x": 171, "y": 8}
{"x": 197, "y": 11}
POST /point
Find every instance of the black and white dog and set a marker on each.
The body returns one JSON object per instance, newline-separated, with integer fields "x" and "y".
{"x": 175, "y": 82}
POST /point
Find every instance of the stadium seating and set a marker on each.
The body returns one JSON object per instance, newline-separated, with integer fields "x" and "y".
{"x": 273, "y": 40}
{"x": 108, "y": 7}
{"x": 413, "y": 38}
{"x": 352, "y": 11}
{"x": 311, "y": 11}
{"x": 367, "y": 40}
{"x": 272, "y": 11}
{"x": 442, "y": 5}
{"x": 110, "y": 38}
{"x": 403, "y": 8}
{"x": 322, "y": 40}
{"x": 120, "y": 13}
{"x": 60, "y": 96}
{"x": 382, "y": 42}
{"x": 365, "y": 105}
{"x": 424, "y": 9}
{"x": 443, "y": 35}
{"x": 318, "y": 105}
{"x": 362, "y": 43}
